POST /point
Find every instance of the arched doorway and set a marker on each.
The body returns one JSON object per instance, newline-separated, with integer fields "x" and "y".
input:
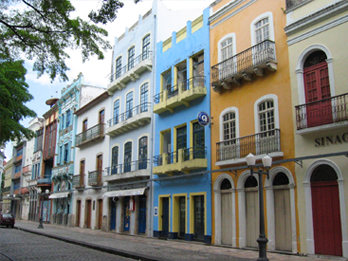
{"x": 226, "y": 212}
{"x": 326, "y": 211}
{"x": 282, "y": 212}
{"x": 251, "y": 211}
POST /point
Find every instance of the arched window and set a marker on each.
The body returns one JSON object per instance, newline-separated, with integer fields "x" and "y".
{"x": 323, "y": 173}
{"x": 142, "y": 157}
{"x": 114, "y": 160}
{"x": 129, "y": 105}
{"x": 262, "y": 30}
{"x": 146, "y": 47}
{"x": 226, "y": 48}
{"x": 144, "y": 93}
{"x": 131, "y": 56}
{"x": 127, "y": 156}
{"x": 225, "y": 184}
{"x": 118, "y": 67}
{"x": 116, "y": 111}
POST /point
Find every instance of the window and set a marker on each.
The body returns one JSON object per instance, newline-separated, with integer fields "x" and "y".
{"x": 142, "y": 158}
{"x": 116, "y": 111}
{"x": 60, "y": 155}
{"x": 167, "y": 80}
{"x": 198, "y": 141}
{"x": 129, "y": 105}
{"x": 146, "y": 47}
{"x": 229, "y": 147}
{"x": 38, "y": 170}
{"x": 131, "y": 56}
{"x": 102, "y": 116}
{"x": 33, "y": 173}
{"x": 266, "y": 117}
{"x": 85, "y": 125}
{"x": 68, "y": 115}
{"x": 262, "y": 30}
{"x": 19, "y": 152}
{"x": 229, "y": 126}
{"x": 63, "y": 122}
{"x": 118, "y": 67}
{"x": 127, "y": 156}
{"x": 198, "y": 70}
{"x": 144, "y": 92}
{"x": 226, "y": 48}
{"x": 181, "y": 141}
{"x": 114, "y": 160}
{"x": 16, "y": 185}
{"x": 181, "y": 78}
{"x": 66, "y": 152}
{"x": 18, "y": 168}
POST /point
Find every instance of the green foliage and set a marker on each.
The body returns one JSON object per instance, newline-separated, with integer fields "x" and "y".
{"x": 43, "y": 31}
{"x": 13, "y": 96}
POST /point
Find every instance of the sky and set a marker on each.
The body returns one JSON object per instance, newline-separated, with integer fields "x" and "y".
{"x": 94, "y": 70}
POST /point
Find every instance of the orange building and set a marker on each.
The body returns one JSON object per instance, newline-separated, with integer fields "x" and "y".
{"x": 251, "y": 113}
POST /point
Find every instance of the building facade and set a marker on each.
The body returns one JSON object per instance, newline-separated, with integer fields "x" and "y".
{"x": 182, "y": 199}
{"x": 250, "y": 108}
{"x": 72, "y": 98}
{"x": 316, "y": 32}
{"x": 91, "y": 161}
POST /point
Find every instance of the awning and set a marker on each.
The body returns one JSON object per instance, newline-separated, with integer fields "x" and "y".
{"x": 60, "y": 195}
{"x": 124, "y": 193}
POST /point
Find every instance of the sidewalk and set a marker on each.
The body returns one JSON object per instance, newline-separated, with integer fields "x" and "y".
{"x": 151, "y": 249}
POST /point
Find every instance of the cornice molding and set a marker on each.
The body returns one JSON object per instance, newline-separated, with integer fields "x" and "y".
{"x": 316, "y": 17}
{"x": 227, "y": 8}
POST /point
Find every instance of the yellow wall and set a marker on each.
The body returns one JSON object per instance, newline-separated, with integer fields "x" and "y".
{"x": 244, "y": 96}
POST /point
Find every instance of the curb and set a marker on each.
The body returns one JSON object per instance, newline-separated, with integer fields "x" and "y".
{"x": 94, "y": 246}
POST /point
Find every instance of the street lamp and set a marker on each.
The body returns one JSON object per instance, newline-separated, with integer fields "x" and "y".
{"x": 267, "y": 162}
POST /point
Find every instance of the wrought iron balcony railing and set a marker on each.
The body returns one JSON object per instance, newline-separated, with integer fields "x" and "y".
{"x": 95, "y": 178}
{"x": 79, "y": 181}
{"x": 144, "y": 107}
{"x": 242, "y": 65}
{"x": 89, "y": 135}
{"x": 128, "y": 167}
{"x": 49, "y": 151}
{"x": 65, "y": 131}
{"x": 187, "y": 154}
{"x": 128, "y": 67}
{"x": 257, "y": 144}
{"x": 192, "y": 83}
{"x": 44, "y": 181}
{"x": 326, "y": 111}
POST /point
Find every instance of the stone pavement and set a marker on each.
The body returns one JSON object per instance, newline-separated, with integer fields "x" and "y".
{"x": 153, "y": 249}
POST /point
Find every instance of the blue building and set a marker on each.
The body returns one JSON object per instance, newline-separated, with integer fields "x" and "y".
{"x": 72, "y": 98}
{"x": 182, "y": 193}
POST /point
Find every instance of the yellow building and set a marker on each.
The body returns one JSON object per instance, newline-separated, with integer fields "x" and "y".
{"x": 251, "y": 113}
{"x": 317, "y": 39}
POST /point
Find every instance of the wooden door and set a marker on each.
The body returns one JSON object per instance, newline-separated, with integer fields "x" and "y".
{"x": 88, "y": 213}
{"x": 100, "y": 213}
{"x": 252, "y": 214}
{"x": 317, "y": 87}
{"x": 82, "y": 173}
{"x": 199, "y": 218}
{"x": 99, "y": 167}
{"x": 282, "y": 218}
{"x": 113, "y": 215}
{"x": 226, "y": 218}
{"x": 326, "y": 218}
{"x": 142, "y": 214}
{"x": 182, "y": 217}
{"x": 165, "y": 217}
{"x": 78, "y": 213}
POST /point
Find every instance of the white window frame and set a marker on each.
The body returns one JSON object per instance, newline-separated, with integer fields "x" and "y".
{"x": 268, "y": 15}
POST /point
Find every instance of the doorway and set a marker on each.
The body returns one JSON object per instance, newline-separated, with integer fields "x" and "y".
{"x": 142, "y": 214}
{"x": 198, "y": 218}
{"x": 165, "y": 217}
{"x": 88, "y": 213}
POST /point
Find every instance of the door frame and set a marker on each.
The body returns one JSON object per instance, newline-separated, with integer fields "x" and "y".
{"x": 160, "y": 211}
{"x": 309, "y": 212}
{"x": 192, "y": 211}
{"x": 217, "y": 210}
{"x": 176, "y": 211}
{"x": 270, "y": 207}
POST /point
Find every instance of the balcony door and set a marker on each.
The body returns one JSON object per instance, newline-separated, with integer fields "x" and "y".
{"x": 265, "y": 141}
{"x": 198, "y": 141}
{"x": 142, "y": 158}
{"x": 181, "y": 141}
{"x": 127, "y": 156}
{"x": 317, "y": 90}
{"x": 99, "y": 167}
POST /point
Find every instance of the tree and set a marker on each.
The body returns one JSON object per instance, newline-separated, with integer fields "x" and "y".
{"x": 43, "y": 29}
{"x": 13, "y": 94}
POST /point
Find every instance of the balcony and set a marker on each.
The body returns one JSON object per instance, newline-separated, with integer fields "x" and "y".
{"x": 321, "y": 115}
{"x": 17, "y": 175}
{"x": 49, "y": 151}
{"x": 234, "y": 151}
{"x": 130, "y": 72}
{"x": 180, "y": 94}
{"x": 79, "y": 181}
{"x": 133, "y": 169}
{"x": 63, "y": 171}
{"x": 182, "y": 160}
{"x": 18, "y": 158}
{"x": 6, "y": 190}
{"x": 65, "y": 131}
{"x": 26, "y": 170}
{"x": 44, "y": 181}
{"x": 16, "y": 191}
{"x": 93, "y": 134}
{"x": 95, "y": 178}
{"x": 243, "y": 65}
{"x": 132, "y": 119}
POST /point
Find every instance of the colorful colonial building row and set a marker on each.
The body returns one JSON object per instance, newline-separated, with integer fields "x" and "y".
{"x": 134, "y": 157}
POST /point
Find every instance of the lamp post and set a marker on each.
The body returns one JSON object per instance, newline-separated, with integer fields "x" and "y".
{"x": 267, "y": 162}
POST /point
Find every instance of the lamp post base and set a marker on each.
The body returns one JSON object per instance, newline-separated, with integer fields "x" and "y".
{"x": 40, "y": 225}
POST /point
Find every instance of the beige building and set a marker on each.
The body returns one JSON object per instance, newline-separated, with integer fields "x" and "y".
{"x": 6, "y": 200}
{"x": 317, "y": 38}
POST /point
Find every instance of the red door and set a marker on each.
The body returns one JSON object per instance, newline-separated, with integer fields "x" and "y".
{"x": 317, "y": 87}
{"x": 326, "y": 218}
